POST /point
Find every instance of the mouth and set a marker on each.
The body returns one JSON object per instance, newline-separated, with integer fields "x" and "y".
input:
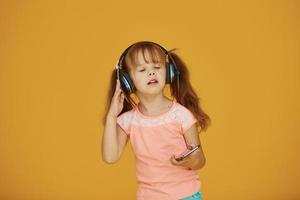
{"x": 153, "y": 81}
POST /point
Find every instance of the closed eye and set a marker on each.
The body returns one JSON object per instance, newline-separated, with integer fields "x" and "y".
{"x": 144, "y": 69}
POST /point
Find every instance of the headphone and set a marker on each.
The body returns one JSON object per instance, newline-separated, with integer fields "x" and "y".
{"x": 126, "y": 83}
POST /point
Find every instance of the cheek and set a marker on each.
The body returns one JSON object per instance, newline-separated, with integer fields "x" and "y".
{"x": 163, "y": 74}
{"x": 137, "y": 79}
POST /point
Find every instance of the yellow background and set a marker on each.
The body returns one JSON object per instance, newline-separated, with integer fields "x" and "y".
{"x": 56, "y": 58}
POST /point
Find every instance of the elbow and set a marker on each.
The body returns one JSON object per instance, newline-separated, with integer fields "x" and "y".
{"x": 109, "y": 160}
{"x": 199, "y": 164}
{"x": 202, "y": 164}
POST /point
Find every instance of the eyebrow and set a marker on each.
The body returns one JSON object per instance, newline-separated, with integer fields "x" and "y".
{"x": 148, "y": 63}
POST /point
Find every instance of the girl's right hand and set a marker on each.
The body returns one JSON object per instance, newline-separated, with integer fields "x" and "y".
{"x": 116, "y": 105}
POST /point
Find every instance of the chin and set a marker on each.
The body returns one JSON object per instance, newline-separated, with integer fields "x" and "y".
{"x": 154, "y": 92}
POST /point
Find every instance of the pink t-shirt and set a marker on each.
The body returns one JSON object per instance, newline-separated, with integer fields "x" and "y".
{"x": 154, "y": 139}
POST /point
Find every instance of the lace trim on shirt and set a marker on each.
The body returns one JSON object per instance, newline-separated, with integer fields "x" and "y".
{"x": 180, "y": 113}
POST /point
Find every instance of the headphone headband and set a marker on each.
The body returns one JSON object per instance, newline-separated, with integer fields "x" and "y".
{"x": 122, "y": 57}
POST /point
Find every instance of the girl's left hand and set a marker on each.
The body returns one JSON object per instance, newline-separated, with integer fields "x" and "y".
{"x": 186, "y": 162}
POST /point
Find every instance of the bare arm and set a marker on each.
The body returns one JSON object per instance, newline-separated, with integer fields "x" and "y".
{"x": 114, "y": 138}
{"x": 195, "y": 160}
{"x": 113, "y": 142}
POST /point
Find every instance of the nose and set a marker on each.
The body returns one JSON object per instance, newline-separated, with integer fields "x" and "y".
{"x": 151, "y": 73}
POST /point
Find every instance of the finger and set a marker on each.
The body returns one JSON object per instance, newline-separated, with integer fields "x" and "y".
{"x": 118, "y": 83}
{"x": 122, "y": 100}
{"x": 117, "y": 91}
{"x": 117, "y": 86}
{"x": 116, "y": 94}
{"x": 179, "y": 162}
{"x": 121, "y": 96}
{"x": 174, "y": 161}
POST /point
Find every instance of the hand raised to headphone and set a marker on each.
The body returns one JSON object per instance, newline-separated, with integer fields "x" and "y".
{"x": 116, "y": 105}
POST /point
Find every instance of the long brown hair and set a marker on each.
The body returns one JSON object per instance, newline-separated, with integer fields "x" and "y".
{"x": 186, "y": 95}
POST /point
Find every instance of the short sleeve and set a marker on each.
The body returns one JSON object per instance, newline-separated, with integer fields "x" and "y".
{"x": 187, "y": 119}
{"x": 124, "y": 121}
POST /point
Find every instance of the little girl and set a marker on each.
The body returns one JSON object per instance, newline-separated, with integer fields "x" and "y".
{"x": 158, "y": 127}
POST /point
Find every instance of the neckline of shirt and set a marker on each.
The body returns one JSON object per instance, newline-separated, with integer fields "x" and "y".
{"x": 156, "y": 116}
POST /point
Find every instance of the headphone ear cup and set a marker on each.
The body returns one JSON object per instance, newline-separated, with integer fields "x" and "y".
{"x": 168, "y": 74}
{"x": 126, "y": 82}
{"x": 171, "y": 72}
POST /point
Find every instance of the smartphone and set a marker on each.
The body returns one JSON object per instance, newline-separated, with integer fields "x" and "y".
{"x": 187, "y": 152}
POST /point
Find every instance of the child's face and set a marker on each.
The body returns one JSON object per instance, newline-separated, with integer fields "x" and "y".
{"x": 144, "y": 72}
